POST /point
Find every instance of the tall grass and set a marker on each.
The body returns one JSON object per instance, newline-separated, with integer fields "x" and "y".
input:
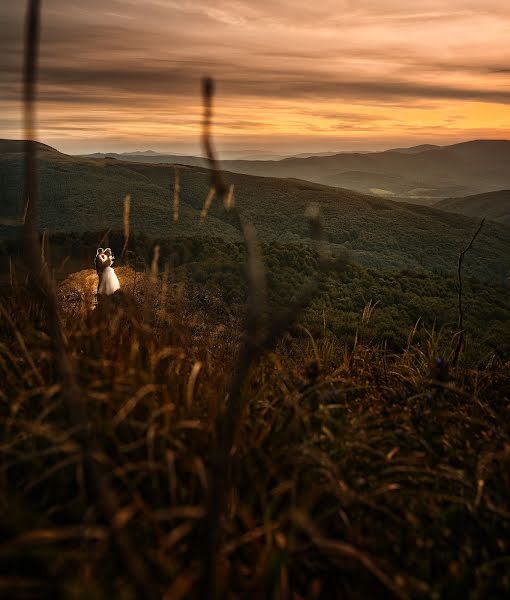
{"x": 353, "y": 471}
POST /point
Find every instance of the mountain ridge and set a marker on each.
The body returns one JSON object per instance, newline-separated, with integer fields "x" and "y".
{"x": 425, "y": 173}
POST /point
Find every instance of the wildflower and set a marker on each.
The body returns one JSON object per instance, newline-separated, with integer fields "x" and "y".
{"x": 440, "y": 369}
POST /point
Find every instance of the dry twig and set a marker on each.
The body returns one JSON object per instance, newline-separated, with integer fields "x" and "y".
{"x": 460, "y": 340}
{"x": 258, "y": 338}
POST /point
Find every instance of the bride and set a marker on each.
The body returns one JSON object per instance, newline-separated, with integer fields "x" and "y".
{"x": 109, "y": 282}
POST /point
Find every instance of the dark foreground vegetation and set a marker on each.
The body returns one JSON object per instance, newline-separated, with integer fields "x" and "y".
{"x": 365, "y": 465}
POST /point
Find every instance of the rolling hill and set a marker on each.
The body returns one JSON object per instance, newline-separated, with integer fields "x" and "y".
{"x": 84, "y": 194}
{"x": 424, "y": 173}
{"x": 415, "y": 149}
{"x": 491, "y": 205}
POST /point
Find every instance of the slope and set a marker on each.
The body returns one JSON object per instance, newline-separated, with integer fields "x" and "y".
{"x": 491, "y": 205}
{"x": 424, "y": 172}
{"x": 79, "y": 194}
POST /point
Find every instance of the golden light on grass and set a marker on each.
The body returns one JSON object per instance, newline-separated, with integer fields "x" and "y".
{"x": 164, "y": 289}
{"x": 155, "y": 264}
{"x": 229, "y": 198}
{"x": 132, "y": 402}
{"x": 190, "y": 388}
{"x": 368, "y": 310}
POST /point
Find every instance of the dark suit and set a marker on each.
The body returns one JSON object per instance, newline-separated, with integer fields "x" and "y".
{"x": 99, "y": 270}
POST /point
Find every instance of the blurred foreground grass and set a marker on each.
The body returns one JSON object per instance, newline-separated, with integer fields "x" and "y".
{"x": 357, "y": 472}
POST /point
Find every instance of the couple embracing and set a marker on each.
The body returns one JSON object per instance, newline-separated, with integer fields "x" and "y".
{"x": 108, "y": 281}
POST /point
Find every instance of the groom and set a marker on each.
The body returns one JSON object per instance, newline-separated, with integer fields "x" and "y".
{"x": 99, "y": 262}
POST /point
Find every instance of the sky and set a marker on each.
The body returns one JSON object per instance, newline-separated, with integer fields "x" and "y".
{"x": 291, "y": 75}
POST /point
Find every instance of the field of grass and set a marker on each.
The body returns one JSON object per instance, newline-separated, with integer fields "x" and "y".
{"x": 356, "y": 471}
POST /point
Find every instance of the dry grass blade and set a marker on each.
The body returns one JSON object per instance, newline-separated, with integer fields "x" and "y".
{"x": 180, "y": 512}
{"x": 207, "y": 204}
{"x": 216, "y": 177}
{"x": 176, "y": 198}
{"x": 155, "y": 265}
{"x": 182, "y": 585}
{"x": 253, "y": 346}
{"x": 127, "y": 211}
{"x": 73, "y": 398}
{"x": 341, "y": 550}
{"x": 130, "y": 405}
{"x": 338, "y": 550}
{"x": 49, "y": 536}
{"x": 229, "y": 199}
{"x": 44, "y": 242}
{"x": 190, "y": 388}
{"x": 104, "y": 238}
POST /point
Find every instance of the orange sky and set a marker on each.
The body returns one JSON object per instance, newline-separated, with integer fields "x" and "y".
{"x": 291, "y": 76}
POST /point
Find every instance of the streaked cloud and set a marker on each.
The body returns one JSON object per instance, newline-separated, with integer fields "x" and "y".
{"x": 291, "y": 74}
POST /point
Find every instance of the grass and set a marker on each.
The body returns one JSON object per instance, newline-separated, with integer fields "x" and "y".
{"x": 356, "y": 472}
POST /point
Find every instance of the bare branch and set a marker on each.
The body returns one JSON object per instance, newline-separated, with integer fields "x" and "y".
{"x": 460, "y": 340}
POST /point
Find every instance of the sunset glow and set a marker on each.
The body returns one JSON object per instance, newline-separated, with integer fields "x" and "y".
{"x": 291, "y": 76}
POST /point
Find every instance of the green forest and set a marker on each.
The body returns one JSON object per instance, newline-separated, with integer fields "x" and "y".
{"x": 402, "y": 300}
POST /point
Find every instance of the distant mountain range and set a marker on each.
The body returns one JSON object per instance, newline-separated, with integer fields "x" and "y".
{"x": 81, "y": 194}
{"x": 415, "y": 149}
{"x": 142, "y": 153}
{"x": 491, "y": 205}
{"x": 423, "y": 174}
{"x": 155, "y": 156}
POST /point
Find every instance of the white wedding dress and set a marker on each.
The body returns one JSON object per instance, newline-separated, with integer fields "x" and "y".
{"x": 109, "y": 282}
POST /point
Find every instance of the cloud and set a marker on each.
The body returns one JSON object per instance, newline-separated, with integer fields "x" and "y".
{"x": 278, "y": 63}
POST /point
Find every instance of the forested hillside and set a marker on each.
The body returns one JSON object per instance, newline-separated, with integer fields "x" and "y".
{"x": 80, "y": 195}
{"x": 491, "y": 205}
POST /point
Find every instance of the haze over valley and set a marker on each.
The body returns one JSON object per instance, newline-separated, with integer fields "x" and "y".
{"x": 423, "y": 174}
